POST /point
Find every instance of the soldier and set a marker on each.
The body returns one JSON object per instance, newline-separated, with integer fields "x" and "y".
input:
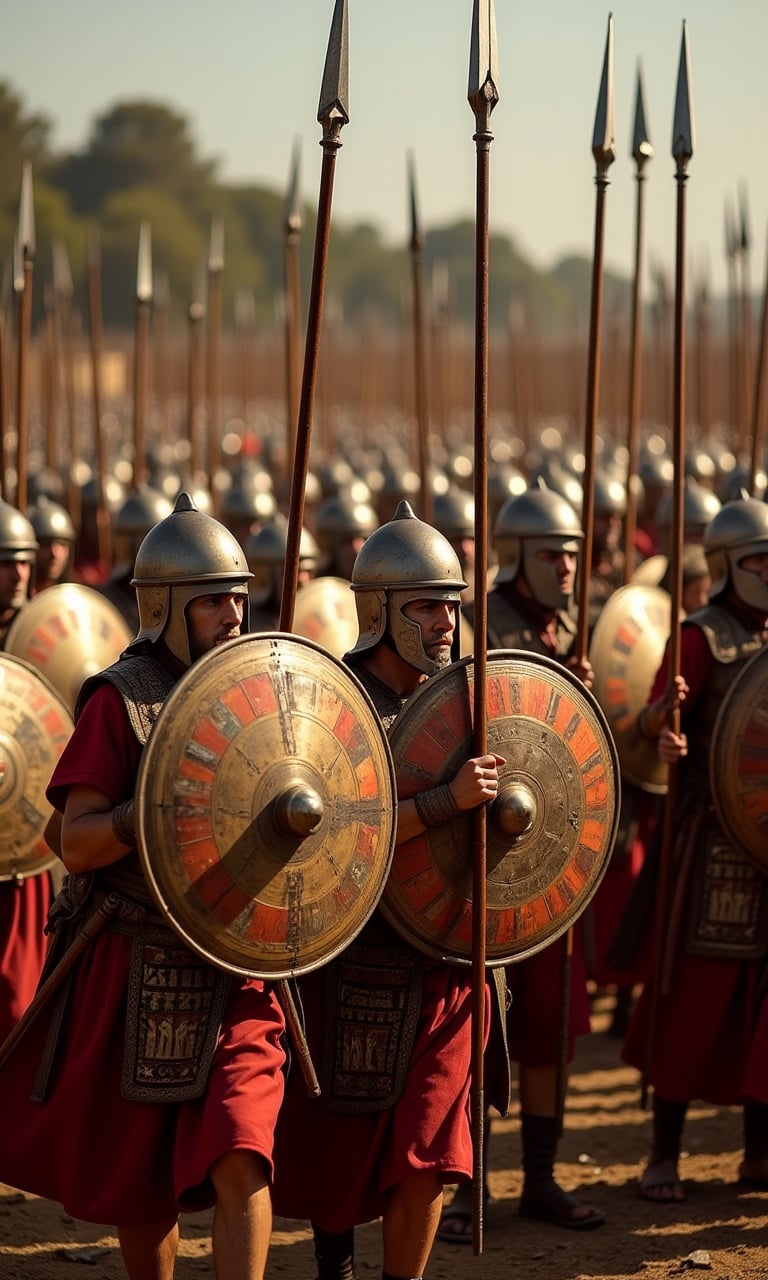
{"x": 265, "y": 552}
{"x": 343, "y": 521}
{"x": 23, "y": 903}
{"x": 56, "y": 538}
{"x": 706, "y": 1043}
{"x": 142, "y": 508}
{"x": 108, "y": 1135}
{"x": 386, "y": 1151}
{"x": 537, "y": 537}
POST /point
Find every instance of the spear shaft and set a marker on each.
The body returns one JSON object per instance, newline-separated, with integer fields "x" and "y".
{"x": 95, "y": 343}
{"x": 141, "y": 353}
{"x": 603, "y": 149}
{"x": 420, "y": 346}
{"x": 292, "y": 241}
{"x": 483, "y": 95}
{"x": 213, "y": 354}
{"x": 758, "y": 402}
{"x": 682, "y": 150}
{"x": 641, "y": 152}
{"x": 333, "y": 115}
{"x": 23, "y": 274}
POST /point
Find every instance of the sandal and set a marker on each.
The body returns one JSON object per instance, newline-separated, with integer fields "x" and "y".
{"x": 551, "y": 1203}
{"x": 456, "y": 1218}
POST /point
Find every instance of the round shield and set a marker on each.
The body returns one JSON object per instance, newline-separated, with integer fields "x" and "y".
{"x": 650, "y": 572}
{"x": 265, "y": 806}
{"x": 324, "y": 611}
{"x": 626, "y": 651}
{"x": 550, "y": 831}
{"x": 68, "y": 632}
{"x": 35, "y": 727}
{"x": 738, "y": 761}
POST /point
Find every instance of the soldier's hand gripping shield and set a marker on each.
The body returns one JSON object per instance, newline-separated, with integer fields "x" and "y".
{"x": 738, "y": 761}
{"x": 266, "y": 806}
{"x": 35, "y": 727}
{"x": 68, "y": 632}
{"x": 550, "y": 831}
{"x": 626, "y": 651}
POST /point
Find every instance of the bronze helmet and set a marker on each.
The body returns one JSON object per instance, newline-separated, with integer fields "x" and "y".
{"x": 402, "y": 561}
{"x": 17, "y": 535}
{"x": 538, "y": 519}
{"x": 265, "y": 550}
{"x": 186, "y": 555}
{"x": 142, "y": 508}
{"x": 739, "y": 529}
{"x": 51, "y": 521}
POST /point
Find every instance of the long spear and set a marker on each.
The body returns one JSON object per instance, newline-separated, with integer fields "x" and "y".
{"x": 745, "y": 308}
{"x": 483, "y": 94}
{"x": 95, "y": 340}
{"x": 758, "y": 401}
{"x": 292, "y": 224}
{"x": 604, "y": 152}
{"x": 195, "y": 378}
{"x": 419, "y": 343}
{"x": 332, "y": 114}
{"x": 641, "y": 153}
{"x": 213, "y": 354}
{"x": 682, "y": 151}
{"x": 141, "y": 352}
{"x": 63, "y": 294}
{"x": 24, "y": 258}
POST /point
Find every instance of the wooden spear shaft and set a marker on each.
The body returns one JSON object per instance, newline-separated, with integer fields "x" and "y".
{"x": 420, "y": 350}
{"x": 483, "y": 95}
{"x": 641, "y": 151}
{"x": 682, "y": 150}
{"x": 333, "y": 115}
{"x": 604, "y": 153}
{"x": 758, "y": 401}
{"x": 94, "y": 337}
{"x": 22, "y": 384}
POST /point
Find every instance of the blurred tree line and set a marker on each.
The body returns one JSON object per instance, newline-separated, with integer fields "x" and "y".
{"x": 140, "y": 164}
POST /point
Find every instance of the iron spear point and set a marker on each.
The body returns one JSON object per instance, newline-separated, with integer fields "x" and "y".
{"x": 292, "y": 219}
{"x": 332, "y": 111}
{"x": 641, "y": 143}
{"x": 26, "y": 228}
{"x": 144, "y": 264}
{"x": 604, "y": 134}
{"x": 483, "y": 90}
{"x": 682, "y": 127}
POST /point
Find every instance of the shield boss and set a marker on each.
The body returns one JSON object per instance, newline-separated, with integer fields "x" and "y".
{"x": 550, "y": 831}
{"x": 35, "y": 727}
{"x": 265, "y": 806}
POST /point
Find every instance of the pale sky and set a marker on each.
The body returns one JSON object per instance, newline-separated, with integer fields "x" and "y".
{"x": 247, "y": 75}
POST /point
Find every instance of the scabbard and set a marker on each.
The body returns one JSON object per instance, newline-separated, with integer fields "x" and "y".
{"x": 93, "y": 926}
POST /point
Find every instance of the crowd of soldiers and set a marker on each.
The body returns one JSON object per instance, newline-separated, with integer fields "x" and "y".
{"x": 242, "y": 1133}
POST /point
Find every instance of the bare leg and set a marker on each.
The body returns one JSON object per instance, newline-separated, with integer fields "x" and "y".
{"x": 410, "y": 1221}
{"x": 149, "y": 1251}
{"x": 242, "y": 1220}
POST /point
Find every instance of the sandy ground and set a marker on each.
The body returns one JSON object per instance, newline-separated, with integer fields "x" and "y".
{"x": 721, "y": 1231}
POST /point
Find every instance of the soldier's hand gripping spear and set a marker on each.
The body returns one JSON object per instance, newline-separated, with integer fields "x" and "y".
{"x": 483, "y": 94}
{"x": 604, "y": 152}
{"x": 682, "y": 151}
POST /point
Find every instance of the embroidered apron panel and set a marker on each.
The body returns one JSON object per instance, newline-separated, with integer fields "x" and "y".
{"x": 175, "y": 1004}
{"x": 372, "y": 1004}
{"x": 728, "y": 915}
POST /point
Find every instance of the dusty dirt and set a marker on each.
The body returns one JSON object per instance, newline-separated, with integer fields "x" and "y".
{"x": 720, "y": 1232}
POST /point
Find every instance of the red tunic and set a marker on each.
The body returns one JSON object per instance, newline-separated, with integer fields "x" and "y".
{"x": 23, "y": 912}
{"x": 336, "y": 1169}
{"x": 104, "y": 1158}
{"x": 706, "y": 1044}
